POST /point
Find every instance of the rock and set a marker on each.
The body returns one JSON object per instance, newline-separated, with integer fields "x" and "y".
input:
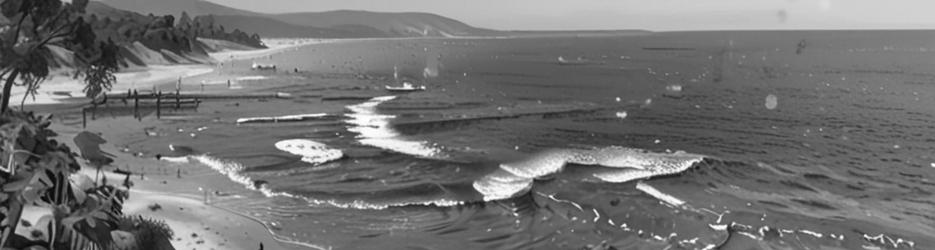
{"x": 155, "y": 207}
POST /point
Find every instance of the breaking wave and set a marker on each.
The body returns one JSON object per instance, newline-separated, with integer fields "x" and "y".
{"x": 620, "y": 164}
{"x": 285, "y": 118}
{"x": 233, "y": 171}
{"x": 375, "y": 130}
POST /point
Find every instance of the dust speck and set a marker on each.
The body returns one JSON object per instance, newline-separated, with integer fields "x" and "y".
{"x": 772, "y": 102}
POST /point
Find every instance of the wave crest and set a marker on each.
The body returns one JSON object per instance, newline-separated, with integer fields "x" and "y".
{"x": 621, "y": 164}
{"x": 233, "y": 171}
{"x": 375, "y": 130}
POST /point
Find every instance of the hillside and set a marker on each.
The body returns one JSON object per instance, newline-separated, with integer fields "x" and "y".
{"x": 409, "y": 24}
{"x": 269, "y": 27}
{"x": 149, "y": 39}
{"x": 330, "y": 24}
{"x": 176, "y": 7}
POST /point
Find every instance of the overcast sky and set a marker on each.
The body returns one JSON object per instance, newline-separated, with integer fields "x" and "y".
{"x": 640, "y": 14}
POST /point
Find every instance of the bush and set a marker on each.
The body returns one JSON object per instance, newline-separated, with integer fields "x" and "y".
{"x": 149, "y": 233}
{"x": 36, "y": 172}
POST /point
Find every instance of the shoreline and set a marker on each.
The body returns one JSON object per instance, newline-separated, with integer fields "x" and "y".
{"x": 60, "y": 88}
{"x": 270, "y": 230}
{"x": 195, "y": 224}
{"x": 180, "y": 199}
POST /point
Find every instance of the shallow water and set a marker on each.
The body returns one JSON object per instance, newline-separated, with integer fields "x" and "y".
{"x": 828, "y": 149}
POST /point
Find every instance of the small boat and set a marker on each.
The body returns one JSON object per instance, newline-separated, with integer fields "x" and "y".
{"x": 257, "y": 66}
{"x": 407, "y": 87}
{"x": 579, "y": 61}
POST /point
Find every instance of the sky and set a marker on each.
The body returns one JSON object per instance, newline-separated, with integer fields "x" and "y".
{"x": 640, "y": 14}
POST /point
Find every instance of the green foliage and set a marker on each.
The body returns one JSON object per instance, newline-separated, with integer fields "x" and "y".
{"x": 35, "y": 26}
{"x": 36, "y": 172}
{"x": 164, "y": 32}
{"x": 102, "y": 70}
{"x": 149, "y": 233}
{"x": 203, "y": 26}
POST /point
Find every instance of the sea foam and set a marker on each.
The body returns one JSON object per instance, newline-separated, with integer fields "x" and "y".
{"x": 374, "y": 129}
{"x": 621, "y": 164}
{"x": 311, "y": 151}
{"x": 233, "y": 171}
{"x": 281, "y": 118}
{"x": 502, "y": 185}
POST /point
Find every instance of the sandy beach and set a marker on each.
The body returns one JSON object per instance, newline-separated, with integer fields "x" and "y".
{"x": 62, "y": 88}
{"x": 178, "y": 189}
{"x": 196, "y": 222}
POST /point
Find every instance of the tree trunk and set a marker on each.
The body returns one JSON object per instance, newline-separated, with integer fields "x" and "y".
{"x": 7, "y": 89}
{"x": 16, "y": 211}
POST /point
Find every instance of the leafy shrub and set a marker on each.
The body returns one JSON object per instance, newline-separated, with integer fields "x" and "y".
{"x": 36, "y": 172}
{"x": 149, "y": 233}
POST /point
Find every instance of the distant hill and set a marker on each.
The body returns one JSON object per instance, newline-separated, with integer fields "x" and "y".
{"x": 408, "y": 24}
{"x": 176, "y": 7}
{"x": 151, "y": 39}
{"x": 269, "y": 27}
{"x": 331, "y": 24}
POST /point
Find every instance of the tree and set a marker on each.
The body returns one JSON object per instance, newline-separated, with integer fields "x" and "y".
{"x": 37, "y": 25}
{"x": 184, "y": 20}
{"x": 167, "y": 21}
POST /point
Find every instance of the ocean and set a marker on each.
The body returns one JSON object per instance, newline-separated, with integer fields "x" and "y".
{"x": 677, "y": 140}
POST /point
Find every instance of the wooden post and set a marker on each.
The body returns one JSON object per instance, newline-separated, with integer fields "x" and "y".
{"x": 159, "y": 105}
{"x": 136, "y": 105}
{"x": 84, "y": 117}
{"x": 178, "y": 99}
{"x": 178, "y": 90}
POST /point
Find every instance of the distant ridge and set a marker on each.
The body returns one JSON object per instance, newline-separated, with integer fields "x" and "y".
{"x": 330, "y": 24}
{"x": 269, "y": 27}
{"x": 404, "y": 24}
{"x": 176, "y": 7}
